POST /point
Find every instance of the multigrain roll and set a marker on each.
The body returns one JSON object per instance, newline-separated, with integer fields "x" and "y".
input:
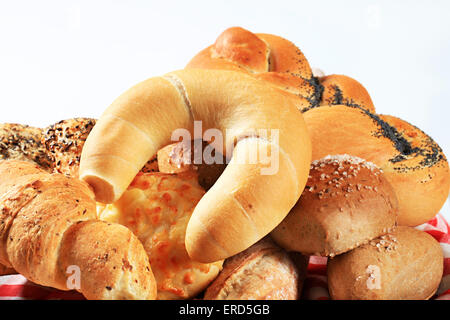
{"x": 412, "y": 162}
{"x": 64, "y": 142}
{"x": 346, "y": 202}
{"x": 22, "y": 142}
{"x": 406, "y": 264}
{"x": 262, "y": 272}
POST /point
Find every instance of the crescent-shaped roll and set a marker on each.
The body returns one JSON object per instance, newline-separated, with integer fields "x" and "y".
{"x": 412, "y": 162}
{"x": 250, "y": 197}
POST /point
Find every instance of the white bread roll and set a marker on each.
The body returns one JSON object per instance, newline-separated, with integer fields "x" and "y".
{"x": 244, "y": 205}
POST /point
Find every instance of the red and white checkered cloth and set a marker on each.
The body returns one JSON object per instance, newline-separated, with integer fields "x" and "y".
{"x": 16, "y": 287}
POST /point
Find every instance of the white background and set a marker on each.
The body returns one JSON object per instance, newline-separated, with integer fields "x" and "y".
{"x": 61, "y": 59}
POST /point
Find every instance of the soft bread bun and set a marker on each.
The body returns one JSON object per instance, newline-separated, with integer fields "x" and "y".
{"x": 406, "y": 264}
{"x": 157, "y": 208}
{"x": 346, "y": 202}
{"x": 236, "y": 212}
{"x": 264, "y": 56}
{"x": 341, "y": 89}
{"x": 411, "y": 161}
{"x": 279, "y": 62}
{"x": 262, "y": 272}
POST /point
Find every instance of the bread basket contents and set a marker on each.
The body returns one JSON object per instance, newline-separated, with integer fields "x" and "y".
{"x": 157, "y": 208}
{"x": 262, "y": 272}
{"x": 404, "y": 264}
{"x": 298, "y": 165}
{"x": 49, "y": 227}
{"x": 346, "y": 203}
{"x": 236, "y": 212}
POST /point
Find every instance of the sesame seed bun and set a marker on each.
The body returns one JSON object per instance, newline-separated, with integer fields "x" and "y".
{"x": 346, "y": 202}
{"x": 406, "y": 264}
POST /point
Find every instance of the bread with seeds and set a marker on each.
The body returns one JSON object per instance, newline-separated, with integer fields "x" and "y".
{"x": 346, "y": 202}
{"x": 64, "y": 142}
{"x": 406, "y": 264}
{"x": 22, "y": 142}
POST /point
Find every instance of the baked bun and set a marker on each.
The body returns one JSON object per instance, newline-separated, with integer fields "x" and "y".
{"x": 279, "y": 62}
{"x": 262, "y": 272}
{"x": 412, "y": 162}
{"x": 64, "y": 142}
{"x": 346, "y": 202}
{"x": 157, "y": 208}
{"x": 264, "y": 56}
{"x": 406, "y": 264}
{"x": 22, "y": 142}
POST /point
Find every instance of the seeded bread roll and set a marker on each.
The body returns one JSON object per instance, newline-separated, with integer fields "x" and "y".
{"x": 22, "y": 142}
{"x": 406, "y": 264}
{"x": 346, "y": 202}
{"x": 64, "y": 142}
{"x": 412, "y": 162}
{"x": 262, "y": 272}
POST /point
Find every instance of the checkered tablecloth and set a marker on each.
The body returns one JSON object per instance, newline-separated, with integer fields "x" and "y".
{"x": 15, "y": 287}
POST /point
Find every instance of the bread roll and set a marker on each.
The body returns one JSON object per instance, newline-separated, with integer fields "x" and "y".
{"x": 157, "y": 208}
{"x": 346, "y": 202}
{"x": 65, "y": 140}
{"x": 22, "y": 142}
{"x": 262, "y": 272}
{"x": 264, "y": 56}
{"x": 236, "y": 212}
{"x": 412, "y": 162}
{"x": 280, "y": 63}
{"x": 406, "y": 264}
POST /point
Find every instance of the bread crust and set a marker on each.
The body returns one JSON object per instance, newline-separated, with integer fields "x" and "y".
{"x": 406, "y": 264}
{"x": 412, "y": 162}
{"x": 262, "y": 272}
{"x": 346, "y": 203}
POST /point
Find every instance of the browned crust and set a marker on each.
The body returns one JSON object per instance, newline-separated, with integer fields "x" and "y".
{"x": 406, "y": 264}
{"x": 22, "y": 142}
{"x": 346, "y": 202}
{"x": 262, "y": 272}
